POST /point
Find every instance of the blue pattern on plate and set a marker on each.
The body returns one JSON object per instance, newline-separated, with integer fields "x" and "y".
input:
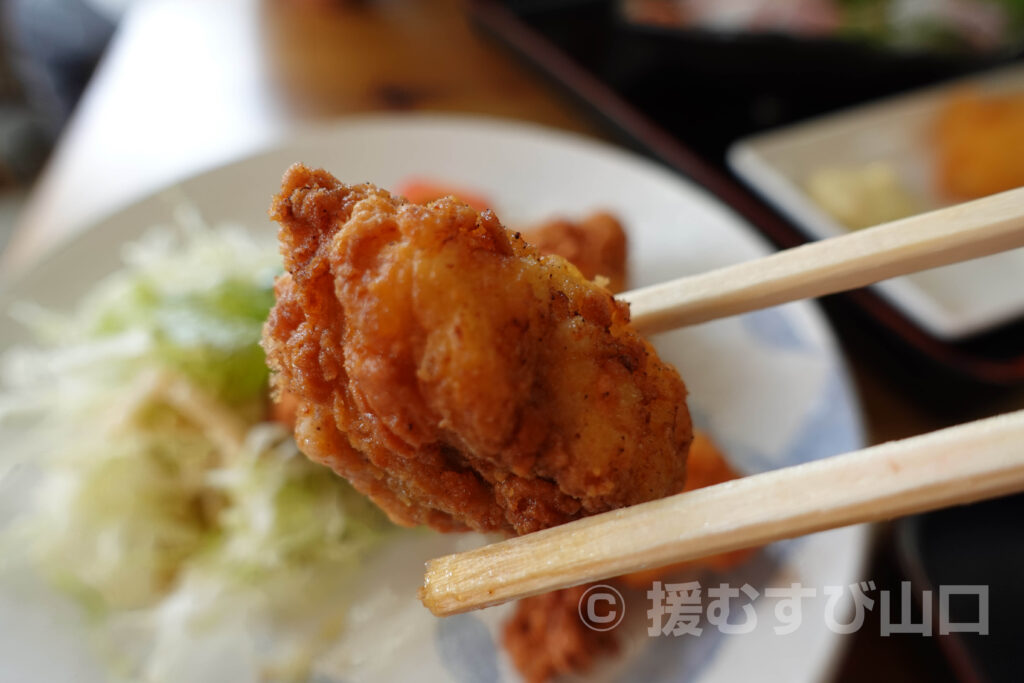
{"x": 773, "y": 328}
{"x": 467, "y": 649}
{"x": 833, "y": 426}
{"x": 684, "y": 658}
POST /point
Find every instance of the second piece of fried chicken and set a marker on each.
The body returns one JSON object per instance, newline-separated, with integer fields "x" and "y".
{"x": 596, "y": 244}
{"x": 454, "y": 374}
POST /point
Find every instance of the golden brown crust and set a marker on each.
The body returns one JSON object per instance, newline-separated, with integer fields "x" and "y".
{"x": 457, "y": 376}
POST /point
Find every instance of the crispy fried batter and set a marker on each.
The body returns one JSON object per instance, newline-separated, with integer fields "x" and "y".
{"x": 454, "y": 374}
{"x": 596, "y": 245}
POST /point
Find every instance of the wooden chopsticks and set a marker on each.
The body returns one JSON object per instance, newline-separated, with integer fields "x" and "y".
{"x": 962, "y": 464}
{"x": 938, "y": 238}
{"x": 953, "y": 466}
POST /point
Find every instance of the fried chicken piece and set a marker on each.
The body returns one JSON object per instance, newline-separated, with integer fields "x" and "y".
{"x": 545, "y": 636}
{"x": 454, "y": 374}
{"x": 596, "y": 245}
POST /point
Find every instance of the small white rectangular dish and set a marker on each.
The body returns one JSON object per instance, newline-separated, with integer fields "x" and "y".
{"x": 951, "y": 303}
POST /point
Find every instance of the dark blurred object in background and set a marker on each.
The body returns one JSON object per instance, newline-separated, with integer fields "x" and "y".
{"x": 709, "y": 88}
{"x": 973, "y": 545}
{"x": 51, "y": 49}
{"x": 21, "y": 143}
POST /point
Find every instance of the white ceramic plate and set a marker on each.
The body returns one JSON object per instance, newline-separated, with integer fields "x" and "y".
{"x": 770, "y": 387}
{"x": 951, "y": 302}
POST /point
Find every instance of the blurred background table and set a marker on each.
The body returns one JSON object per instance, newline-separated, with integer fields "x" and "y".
{"x": 188, "y": 84}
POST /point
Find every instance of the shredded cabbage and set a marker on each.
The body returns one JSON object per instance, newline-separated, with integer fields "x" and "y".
{"x": 165, "y": 502}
